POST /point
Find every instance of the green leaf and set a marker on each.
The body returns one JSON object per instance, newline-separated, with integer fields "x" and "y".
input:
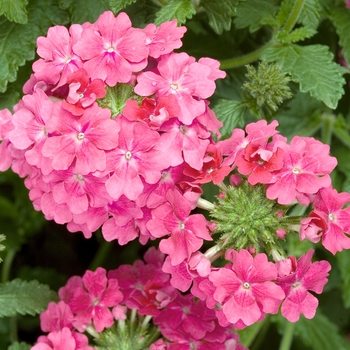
{"x": 19, "y": 346}
{"x": 85, "y": 10}
{"x": 220, "y": 13}
{"x": 18, "y": 41}
{"x": 284, "y": 11}
{"x": 231, "y": 114}
{"x": 14, "y": 10}
{"x": 343, "y": 259}
{"x": 320, "y": 334}
{"x": 313, "y": 68}
{"x": 341, "y": 21}
{"x": 341, "y": 130}
{"x": 118, "y": 5}
{"x": 298, "y": 34}
{"x": 179, "y": 9}
{"x": 310, "y": 13}
{"x": 23, "y": 297}
{"x": 254, "y": 14}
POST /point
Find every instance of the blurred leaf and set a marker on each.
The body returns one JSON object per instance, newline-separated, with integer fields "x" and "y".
{"x": 321, "y": 77}
{"x": 179, "y": 9}
{"x": 254, "y": 14}
{"x": 8, "y": 209}
{"x": 18, "y": 41}
{"x": 85, "y": 10}
{"x": 231, "y": 114}
{"x": 118, "y": 5}
{"x": 320, "y": 334}
{"x": 14, "y": 10}
{"x": 23, "y": 297}
{"x": 19, "y": 346}
{"x": 220, "y": 13}
{"x": 343, "y": 259}
{"x": 341, "y": 130}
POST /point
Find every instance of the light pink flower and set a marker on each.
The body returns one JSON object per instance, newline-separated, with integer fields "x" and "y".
{"x": 112, "y": 49}
{"x": 56, "y": 317}
{"x": 245, "y": 288}
{"x": 296, "y": 281}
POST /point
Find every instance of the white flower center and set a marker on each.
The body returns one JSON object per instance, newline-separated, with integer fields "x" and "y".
{"x": 296, "y": 284}
{"x": 296, "y": 171}
{"x": 182, "y": 225}
{"x": 331, "y": 217}
{"x": 80, "y": 136}
{"x": 246, "y": 285}
{"x": 128, "y": 155}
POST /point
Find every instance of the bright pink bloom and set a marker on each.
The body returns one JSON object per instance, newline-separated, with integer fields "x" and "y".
{"x": 91, "y": 301}
{"x": 306, "y": 169}
{"x": 112, "y": 49}
{"x": 163, "y": 39}
{"x": 186, "y": 231}
{"x": 135, "y": 156}
{"x": 83, "y": 140}
{"x": 245, "y": 288}
{"x": 58, "y": 59}
{"x": 56, "y": 317}
{"x": 82, "y": 92}
{"x": 296, "y": 281}
{"x": 328, "y": 220}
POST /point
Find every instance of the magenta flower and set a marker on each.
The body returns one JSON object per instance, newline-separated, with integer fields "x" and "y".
{"x": 303, "y": 276}
{"x": 306, "y": 169}
{"x": 328, "y": 220}
{"x": 83, "y": 140}
{"x": 56, "y": 317}
{"x": 90, "y": 302}
{"x": 245, "y": 288}
{"x": 186, "y": 231}
{"x": 112, "y": 49}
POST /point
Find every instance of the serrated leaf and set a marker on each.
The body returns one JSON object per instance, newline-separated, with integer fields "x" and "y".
{"x": 320, "y": 334}
{"x": 17, "y": 41}
{"x": 19, "y": 346}
{"x": 22, "y": 297}
{"x": 313, "y": 68}
{"x": 341, "y": 21}
{"x": 179, "y": 9}
{"x": 85, "y": 10}
{"x": 295, "y": 35}
{"x": 220, "y": 13}
{"x": 284, "y": 11}
{"x": 231, "y": 114}
{"x": 14, "y": 10}
{"x": 254, "y": 14}
{"x": 118, "y": 5}
{"x": 310, "y": 13}
{"x": 343, "y": 259}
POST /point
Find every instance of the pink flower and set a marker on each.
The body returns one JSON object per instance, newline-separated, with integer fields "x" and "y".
{"x": 112, "y": 49}
{"x": 90, "y": 302}
{"x": 245, "y": 288}
{"x": 186, "y": 231}
{"x": 56, "y": 317}
{"x": 306, "y": 169}
{"x": 83, "y": 140}
{"x": 328, "y": 220}
{"x": 163, "y": 39}
{"x": 303, "y": 276}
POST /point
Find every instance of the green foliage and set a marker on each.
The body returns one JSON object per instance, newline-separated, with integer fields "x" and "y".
{"x": 21, "y": 297}
{"x": 310, "y": 14}
{"x": 84, "y": 10}
{"x": 14, "y": 10}
{"x": 17, "y": 41}
{"x": 321, "y": 77}
{"x": 118, "y": 5}
{"x": 231, "y": 114}
{"x": 19, "y": 346}
{"x": 320, "y": 334}
{"x": 341, "y": 20}
{"x": 298, "y": 34}
{"x": 343, "y": 259}
{"x": 254, "y": 14}
{"x": 220, "y": 13}
{"x": 180, "y": 9}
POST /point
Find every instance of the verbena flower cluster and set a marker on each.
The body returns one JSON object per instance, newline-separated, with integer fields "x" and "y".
{"x": 115, "y": 131}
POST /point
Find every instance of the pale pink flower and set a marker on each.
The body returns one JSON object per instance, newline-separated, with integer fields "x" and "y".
{"x": 245, "y": 288}
{"x": 328, "y": 220}
{"x": 112, "y": 49}
{"x": 296, "y": 281}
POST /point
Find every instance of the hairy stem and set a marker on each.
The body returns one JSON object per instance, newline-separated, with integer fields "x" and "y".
{"x": 294, "y": 15}
{"x": 287, "y": 336}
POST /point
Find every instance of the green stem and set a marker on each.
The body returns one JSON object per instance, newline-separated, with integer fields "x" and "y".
{"x": 287, "y": 336}
{"x": 294, "y": 15}
{"x": 6, "y": 266}
{"x": 245, "y": 59}
{"x": 327, "y": 128}
{"x": 101, "y": 255}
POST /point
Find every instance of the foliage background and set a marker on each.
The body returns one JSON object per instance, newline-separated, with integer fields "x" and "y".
{"x": 306, "y": 38}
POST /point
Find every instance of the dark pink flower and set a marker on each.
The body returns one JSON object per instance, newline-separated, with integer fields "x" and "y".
{"x": 297, "y": 279}
{"x": 245, "y": 288}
